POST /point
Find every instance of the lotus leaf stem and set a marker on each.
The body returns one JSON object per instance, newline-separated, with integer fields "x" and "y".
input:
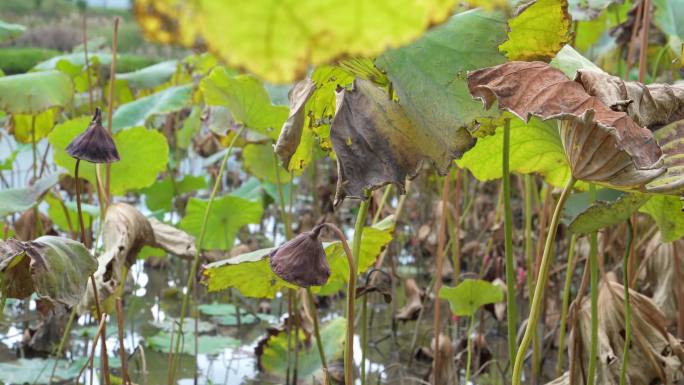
{"x": 542, "y": 278}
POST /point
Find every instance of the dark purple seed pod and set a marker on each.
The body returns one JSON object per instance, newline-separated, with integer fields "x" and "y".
{"x": 95, "y": 144}
{"x": 301, "y": 260}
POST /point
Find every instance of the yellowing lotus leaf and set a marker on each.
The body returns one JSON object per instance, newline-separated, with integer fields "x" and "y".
{"x": 278, "y": 41}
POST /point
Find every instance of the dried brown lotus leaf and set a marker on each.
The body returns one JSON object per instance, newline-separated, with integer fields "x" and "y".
{"x": 448, "y": 373}
{"x": 291, "y": 133}
{"x": 602, "y": 145}
{"x": 671, "y": 140}
{"x": 655, "y": 356}
{"x": 125, "y": 231}
{"x": 660, "y": 274}
{"x": 414, "y": 303}
{"x": 650, "y": 105}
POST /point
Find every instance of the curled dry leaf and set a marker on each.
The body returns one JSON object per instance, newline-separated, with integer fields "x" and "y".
{"x": 448, "y": 374}
{"x": 655, "y": 356}
{"x": 125, "y": 232}
{"x": 414, "y": 304}
{"x": 602, "y": 145}
{"x": 650, "y": 105}
{"x": 291, "y": 133}
{"x": 660, "y": 274}
{"x": 376, "y": 143}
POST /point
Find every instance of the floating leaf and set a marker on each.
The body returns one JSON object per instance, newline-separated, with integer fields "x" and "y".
{"x": 470, "y": 295}
{"x": 37, "y": 371}
{"x": 188, "y": 325}
{"x": 138, "y": 111}
{"x": 246, "y": 98}
{"x": 143, "y": 153}
{"x": 161, "y": 342}
{"x": 22, "y": 199}
{"x": 225, "y": 314}
{"x": 55, "y": 268}
{"x": 539, "y": 30}
{"x": 535, "y": 147}
{"x": 152, "y": 76}
{"x": 604, "y": 213}
{"x": 273, "y": 351}
{"x": 228, "y": 215}
{"x": 278, "y": 43}
{"x": 35, "y": 92}
{"x": 260, "y": 162}
{"x": 666, "y": 211}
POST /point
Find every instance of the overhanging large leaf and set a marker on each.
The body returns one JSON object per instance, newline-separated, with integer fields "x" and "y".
{"x": 136, "y": 112}
{"x": 55, "y": 268}
{"x": 278, "y": 41}
{"x": 251, "y": 273}
{"x": 380, "y": 141}
{"x": 540, "y": 29}
{"x": 143, "y": 153}
{"x": 35, "y": 92}
{"x": 22, "y": 199}
{"x": 535, "y": 147}
{"x": 246, "y": 98}
{"x": 228, "y": 215}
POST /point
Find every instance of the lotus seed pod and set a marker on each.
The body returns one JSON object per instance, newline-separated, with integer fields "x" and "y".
{"x": 95, "y": 144}
{"x": 301, "y": 260}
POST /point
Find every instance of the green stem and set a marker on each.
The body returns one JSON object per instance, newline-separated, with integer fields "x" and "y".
{"x": 364, "y": 337}
{"x": 281, "y": 197}
{"x": 564, "y": 307}
{"x": 469, "y": 340}
{"x": 62, "y": 341}
{"x": 535, "y": 309}
{"x": 628, "y": 306}
{"x": 195, "y": 262}
{"x": 351, "y": 298}
{"x": 511, "y": 306}
{"x": 33, "y": 146}
{"x": 351, "y": 290}
{"x": 317, "y": 335}
{"x": 383, "y": 201}
{"x": 593, "y": 273}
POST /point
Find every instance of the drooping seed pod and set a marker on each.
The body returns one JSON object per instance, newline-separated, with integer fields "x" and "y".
{"x": 301, "y": 260}
{"x": 95, "y": 144}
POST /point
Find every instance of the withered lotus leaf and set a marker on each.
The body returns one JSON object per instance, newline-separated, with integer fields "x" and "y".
{"x": 376, "y": 143}
{"x": 291, "y": 133}
{"x": 95, "y": 144}
{"x": 650, "y": 105}
{"x": 302, "y": 260}
{"x": 602, "y": 145}
{"x": 655, "y": 356}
